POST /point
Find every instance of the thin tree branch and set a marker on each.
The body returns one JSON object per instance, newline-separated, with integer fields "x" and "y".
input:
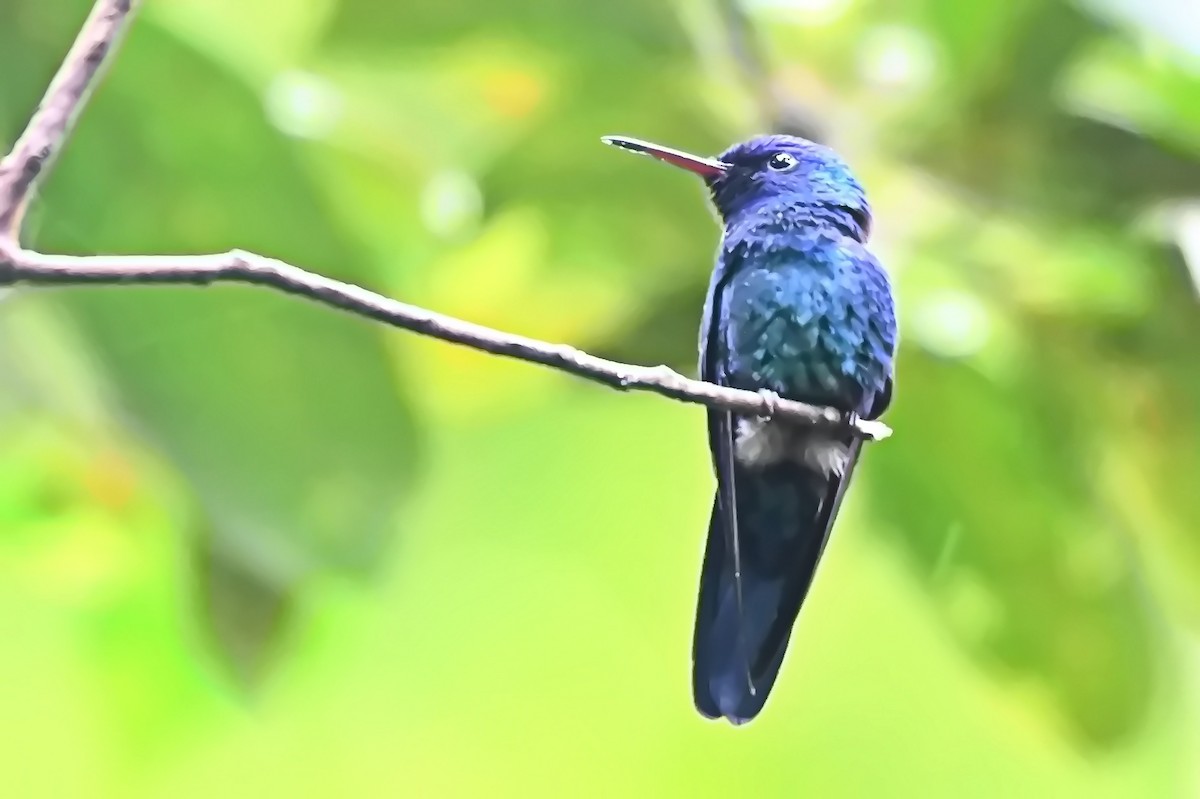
{"x": 777, "y": 111}
{"x": 18, "y": 266}
{"x": 56, "y": 114}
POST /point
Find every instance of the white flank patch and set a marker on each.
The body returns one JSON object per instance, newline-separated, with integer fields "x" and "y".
{"x": 761, "y": 443}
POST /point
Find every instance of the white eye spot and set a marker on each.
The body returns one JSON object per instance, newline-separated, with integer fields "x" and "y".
{"x": 782, "y": 162}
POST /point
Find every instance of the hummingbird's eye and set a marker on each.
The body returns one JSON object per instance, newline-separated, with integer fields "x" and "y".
{"x": 782, "y": 162}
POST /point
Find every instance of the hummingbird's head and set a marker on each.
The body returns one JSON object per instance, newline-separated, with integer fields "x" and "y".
{"x": 769, "y": 167}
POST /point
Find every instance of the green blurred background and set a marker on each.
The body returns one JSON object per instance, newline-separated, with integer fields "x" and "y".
{"x": 253, "y": 547}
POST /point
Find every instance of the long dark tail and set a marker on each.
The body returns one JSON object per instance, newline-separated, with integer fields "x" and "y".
{"x": 784, "y": 516}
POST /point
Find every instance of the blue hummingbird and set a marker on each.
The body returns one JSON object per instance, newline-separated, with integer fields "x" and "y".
{"x": 797, "y": 307}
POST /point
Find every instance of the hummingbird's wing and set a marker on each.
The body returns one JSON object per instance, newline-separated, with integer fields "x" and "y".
{"x": 721, "y": 444}
{"x": 837, "y": 486}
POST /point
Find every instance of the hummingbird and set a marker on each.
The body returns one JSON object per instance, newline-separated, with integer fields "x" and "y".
{"x": 797, "y": 307}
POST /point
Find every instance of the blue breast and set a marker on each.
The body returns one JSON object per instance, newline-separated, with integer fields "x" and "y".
{"x": 806, "y": 312}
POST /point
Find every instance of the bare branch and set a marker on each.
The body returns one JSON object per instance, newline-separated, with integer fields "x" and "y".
{"x": 778, "y": 112}
{"x": 19, "y": 266}
{"x": 49, "y": 128}
{"x": 56, "y": 114}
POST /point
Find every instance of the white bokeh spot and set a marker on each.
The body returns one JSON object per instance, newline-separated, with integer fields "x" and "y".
{"x": 303, "y": 105}
{"x": 451, "y": 204}
{"x": 896, "y": 58}
{"x": 952, "y": 324}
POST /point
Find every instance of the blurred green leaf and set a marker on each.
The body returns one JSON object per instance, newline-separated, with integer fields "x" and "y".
{"x": 284, "y": 417}
{"x": 1027, "y": 568}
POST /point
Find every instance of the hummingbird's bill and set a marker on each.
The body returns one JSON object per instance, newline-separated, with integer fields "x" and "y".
{"x": 706, "y": 168}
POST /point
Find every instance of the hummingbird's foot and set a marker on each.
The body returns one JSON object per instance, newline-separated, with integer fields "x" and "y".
{"x": 770, "y": 402}
{"x": 826, "y": 456}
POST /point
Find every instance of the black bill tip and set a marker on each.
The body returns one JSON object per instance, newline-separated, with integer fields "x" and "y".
{"x": 707, "y": 168}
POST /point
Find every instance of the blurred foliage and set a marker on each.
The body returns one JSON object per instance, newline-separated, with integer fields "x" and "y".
{"x": 461, "y": 575}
